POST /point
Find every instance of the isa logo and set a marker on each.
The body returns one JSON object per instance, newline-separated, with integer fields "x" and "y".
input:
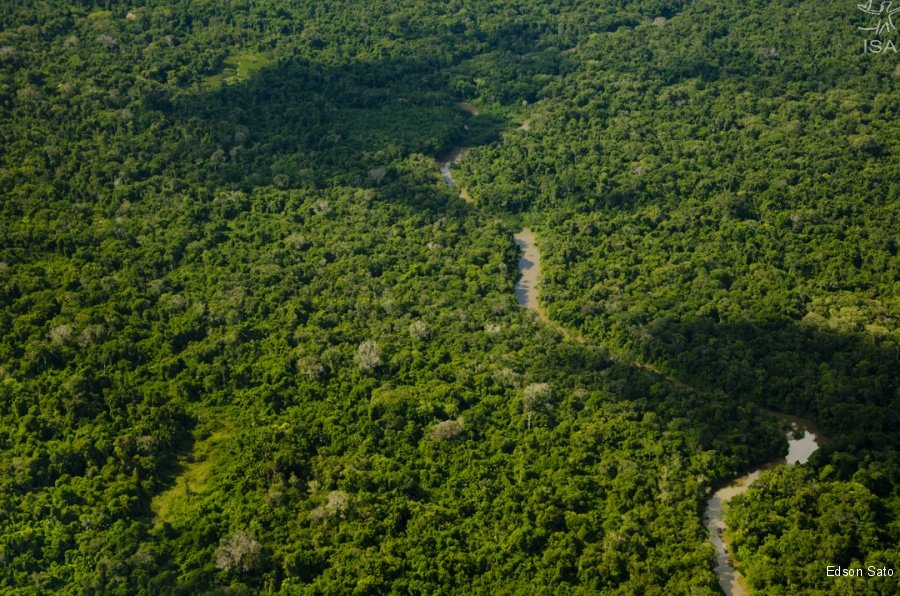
{"x": 880, "y": 27}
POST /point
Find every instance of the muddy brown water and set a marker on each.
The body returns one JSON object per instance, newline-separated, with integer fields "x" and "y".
{"x": 799, "y": 451}
{"x": 529, "y": 271}
{"x": 468, "y": 107}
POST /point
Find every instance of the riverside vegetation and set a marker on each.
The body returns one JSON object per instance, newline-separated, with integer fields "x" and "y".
{"x": 251, "y": 342}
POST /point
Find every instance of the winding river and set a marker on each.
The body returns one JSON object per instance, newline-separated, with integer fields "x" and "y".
{"x": 529, "y": 262}
{"x": 799, "y": 450}
{"x": 529, "y": 272}
{"x": 444, "y": 163}
{"x": 802, "y": 440}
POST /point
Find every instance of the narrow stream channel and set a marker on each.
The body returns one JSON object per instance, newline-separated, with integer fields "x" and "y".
{"x": 799, "y": 451}
{"x": 445, "y": 161}
{"x": 529, "y": 271}
{"x": 529, "y": 262}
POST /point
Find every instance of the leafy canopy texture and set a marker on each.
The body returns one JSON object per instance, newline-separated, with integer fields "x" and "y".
{"x": 252, "y": 342}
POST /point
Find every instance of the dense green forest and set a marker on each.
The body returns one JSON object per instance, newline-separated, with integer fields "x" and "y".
{"x": 251, "y": 342}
